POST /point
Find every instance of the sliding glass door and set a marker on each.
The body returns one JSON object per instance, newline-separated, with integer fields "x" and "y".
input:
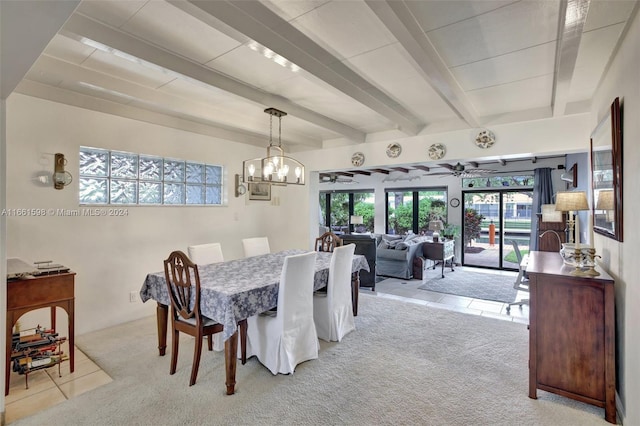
{"x": 337, "y": 208}
{"x": 495, "y": 220}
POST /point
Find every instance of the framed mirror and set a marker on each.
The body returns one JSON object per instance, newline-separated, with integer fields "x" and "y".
{"x": 606, "y": 174}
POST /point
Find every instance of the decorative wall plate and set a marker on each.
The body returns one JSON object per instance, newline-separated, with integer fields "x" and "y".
{"x": 394, "y": 150}
{"x": 357, "y": 159}
{"x": 485, "y": 139}
{"x": 437, "y": 151}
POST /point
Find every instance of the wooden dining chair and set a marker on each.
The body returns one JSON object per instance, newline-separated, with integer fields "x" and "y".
{"x": 205, "y": 254}
{"x": 183, "y": 280}
{"x": 255, "y": 246}
{"x": 284, "y": 338}
{"x": 327, "y": 242}
{"x": 333, "y": 310}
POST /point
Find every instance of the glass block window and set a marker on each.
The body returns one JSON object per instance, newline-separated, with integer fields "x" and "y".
{"x": 115, "y": 177}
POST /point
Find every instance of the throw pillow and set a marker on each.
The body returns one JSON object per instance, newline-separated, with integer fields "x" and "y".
{"x": 410, "y": 237}
{"x": 383, "y": 245}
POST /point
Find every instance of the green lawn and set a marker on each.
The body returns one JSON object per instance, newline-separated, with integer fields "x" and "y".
{"x": 511, "y": 257}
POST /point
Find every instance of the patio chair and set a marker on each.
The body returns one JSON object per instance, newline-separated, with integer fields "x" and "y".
{"x": 521, "y": 279}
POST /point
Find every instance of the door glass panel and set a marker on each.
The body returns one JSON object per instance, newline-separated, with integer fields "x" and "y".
{"x": 400, "y": 219}
{"x": 517, "y": 207}
{"x": 481, "y": 230}
{"x": 432, "y": 206}
{"x": 363, "y": 205}
{"x": 493, "y": 222}
{"x": 340, "y": 213}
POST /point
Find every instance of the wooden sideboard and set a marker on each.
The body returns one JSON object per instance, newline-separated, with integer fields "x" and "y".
{"x": 28, "y": 294}
{"x": 571, "y": 333}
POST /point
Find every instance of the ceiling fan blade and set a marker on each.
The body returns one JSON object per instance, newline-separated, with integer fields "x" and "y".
{"x": 447, "y": 166}
{"x": 481, "y": 171}
{"x": 439, "y": 174}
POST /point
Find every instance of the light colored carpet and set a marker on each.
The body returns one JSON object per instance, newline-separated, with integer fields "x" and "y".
{"x": 476, "y": 285}
{"x": 405, "y": 364}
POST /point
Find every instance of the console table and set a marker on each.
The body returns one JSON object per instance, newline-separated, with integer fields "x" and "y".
{"x": 440, "y": 252}
{"x": 28, "y": 294}
{"x": 571, "y": 333}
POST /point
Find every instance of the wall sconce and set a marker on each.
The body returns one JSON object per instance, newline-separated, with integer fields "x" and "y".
{"x": 61, "y": 178}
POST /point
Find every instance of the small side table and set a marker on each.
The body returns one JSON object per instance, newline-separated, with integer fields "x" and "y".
{"x": 47, "y": 291}
{"x": 440, "y": 252}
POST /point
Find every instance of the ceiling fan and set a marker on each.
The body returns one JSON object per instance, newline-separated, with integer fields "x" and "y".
{"x": 326, "y": 178}
{"x": 460, "y": 170}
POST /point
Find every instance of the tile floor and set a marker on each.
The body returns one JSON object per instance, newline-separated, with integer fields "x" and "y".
{"x": 408, "y": 291}
{"x": 47, "y": 388}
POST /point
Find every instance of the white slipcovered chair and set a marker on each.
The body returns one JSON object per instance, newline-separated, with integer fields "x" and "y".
{"x": 203, "y": 254}
{"x": 284, "y": 338}
{"x": 255, "y": 246}
{"x": 333, "y": 310}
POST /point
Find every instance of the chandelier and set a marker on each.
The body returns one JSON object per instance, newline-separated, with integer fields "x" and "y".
{"x": 275, "y": 168}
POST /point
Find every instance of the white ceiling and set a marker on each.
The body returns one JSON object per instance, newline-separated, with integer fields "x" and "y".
{"x": 342, "y": 70}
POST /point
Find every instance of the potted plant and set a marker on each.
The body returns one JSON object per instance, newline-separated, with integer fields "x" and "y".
{"x": 451, "y": 231}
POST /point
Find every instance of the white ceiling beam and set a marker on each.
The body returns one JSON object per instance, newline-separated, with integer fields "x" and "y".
{"x": 80, "y": 27}
{"x": 262, "y": 25}
{"x": 399, "y": 20}
{"x": 68, "y": 97}
{"x": 573, "y": 14}
{"x": 151, "y": 98}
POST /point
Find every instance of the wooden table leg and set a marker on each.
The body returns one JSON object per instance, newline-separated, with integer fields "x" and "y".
{"x": 243, "y": 340}
{"x": 355, "y": 290}
{"x": 71, "y": 315}
{"x": 162, "y": 317}
{"x": 9, "y": 335}
{"x": 230, "y": 355}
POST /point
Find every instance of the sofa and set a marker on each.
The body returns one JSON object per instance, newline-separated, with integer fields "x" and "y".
{"x": 366, "y": 246}
{"x": 395, "y": 254}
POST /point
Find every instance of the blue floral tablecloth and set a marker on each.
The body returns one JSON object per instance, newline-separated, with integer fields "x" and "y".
{"x": 234, "y": 290}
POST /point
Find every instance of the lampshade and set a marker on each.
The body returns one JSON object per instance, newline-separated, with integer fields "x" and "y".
{"x": 276, "y": 168}
{"x": 436, "y": 225}
{"x": 568, "y": 201}
{"x": 550, "y": 214}
{"x": 605, "y": 200}
{"x": 356, "y": 220}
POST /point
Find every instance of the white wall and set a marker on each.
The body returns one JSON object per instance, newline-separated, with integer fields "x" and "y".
{"x": 623, "y": 80}
{"x": 112, "y": 255}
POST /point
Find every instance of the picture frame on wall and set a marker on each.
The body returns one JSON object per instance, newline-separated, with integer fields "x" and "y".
{"x": 260, "y": 191}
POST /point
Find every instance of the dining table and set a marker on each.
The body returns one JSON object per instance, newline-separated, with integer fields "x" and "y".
{"x": 232, "y": 291}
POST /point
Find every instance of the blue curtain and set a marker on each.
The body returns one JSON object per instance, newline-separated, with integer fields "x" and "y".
{"x": 542, "y": 194}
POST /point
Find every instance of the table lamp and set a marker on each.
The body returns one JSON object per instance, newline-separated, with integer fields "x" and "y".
{"x": 572, "y": 201}
{"x": 356, "y": 220}
{"x": 605, "y": 202}
{"x": 436, "y": 226}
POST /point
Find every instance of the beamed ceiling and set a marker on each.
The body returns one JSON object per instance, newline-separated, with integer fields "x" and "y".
{"x": 347, "y": 71}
